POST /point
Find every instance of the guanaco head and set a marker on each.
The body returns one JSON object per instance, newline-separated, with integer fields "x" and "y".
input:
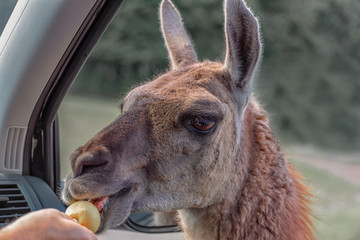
{"x": 176, "y": 143}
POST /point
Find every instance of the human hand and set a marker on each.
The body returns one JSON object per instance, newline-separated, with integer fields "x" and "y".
{"x": 46, "y": 224}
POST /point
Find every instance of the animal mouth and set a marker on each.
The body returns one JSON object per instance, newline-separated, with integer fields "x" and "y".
{"x": 102, "y": 202}
{"x": 99, "y": 203}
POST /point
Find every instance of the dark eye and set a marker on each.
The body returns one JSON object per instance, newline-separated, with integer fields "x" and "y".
{"x": 203, "y": 124}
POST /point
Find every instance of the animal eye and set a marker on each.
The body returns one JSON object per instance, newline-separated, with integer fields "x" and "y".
{"x": 202, "y": 124}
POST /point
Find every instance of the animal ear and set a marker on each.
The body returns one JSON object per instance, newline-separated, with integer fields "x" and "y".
{"x": 177, "y": 41}
{"x": 243, "y": 46}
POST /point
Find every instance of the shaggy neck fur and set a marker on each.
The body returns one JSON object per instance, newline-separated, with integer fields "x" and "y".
{"x": 270, "y": 203}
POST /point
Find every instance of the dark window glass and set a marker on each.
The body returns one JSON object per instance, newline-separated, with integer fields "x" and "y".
{"x": 6, "y": 8}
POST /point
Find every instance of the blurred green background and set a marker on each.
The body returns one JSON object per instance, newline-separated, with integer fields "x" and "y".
{"x": 309, "y": 82}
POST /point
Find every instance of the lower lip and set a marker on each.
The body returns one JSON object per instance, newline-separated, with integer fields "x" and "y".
{"x": 101, "y": 202}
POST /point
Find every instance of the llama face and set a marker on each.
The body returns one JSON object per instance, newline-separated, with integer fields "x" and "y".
{"x": 177, "y": 140}
{"x": 174, "y": 141}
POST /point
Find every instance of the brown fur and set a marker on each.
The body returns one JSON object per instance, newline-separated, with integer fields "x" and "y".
{"x": 272, "y": 203}
{"x": 231, "y": 182}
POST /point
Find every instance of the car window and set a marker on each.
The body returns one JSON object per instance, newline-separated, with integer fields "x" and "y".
{"x": 6, "y": 8}
{"x": 308, "y": 83}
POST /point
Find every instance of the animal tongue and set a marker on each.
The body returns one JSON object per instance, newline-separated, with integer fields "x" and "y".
{"x": 99, "y": 203}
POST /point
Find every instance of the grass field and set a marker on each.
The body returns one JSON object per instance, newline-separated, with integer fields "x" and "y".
{"x": 336, "y": 202}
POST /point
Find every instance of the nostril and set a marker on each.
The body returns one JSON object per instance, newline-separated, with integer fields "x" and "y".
{"x": 89, "y": 167}
{"x": 89, "y": 163}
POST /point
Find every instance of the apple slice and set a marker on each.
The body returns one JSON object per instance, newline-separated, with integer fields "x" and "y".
{"x": 85, "y": 213}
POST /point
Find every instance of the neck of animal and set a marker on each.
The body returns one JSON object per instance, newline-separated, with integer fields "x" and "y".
{"x": 267, "y": 202}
